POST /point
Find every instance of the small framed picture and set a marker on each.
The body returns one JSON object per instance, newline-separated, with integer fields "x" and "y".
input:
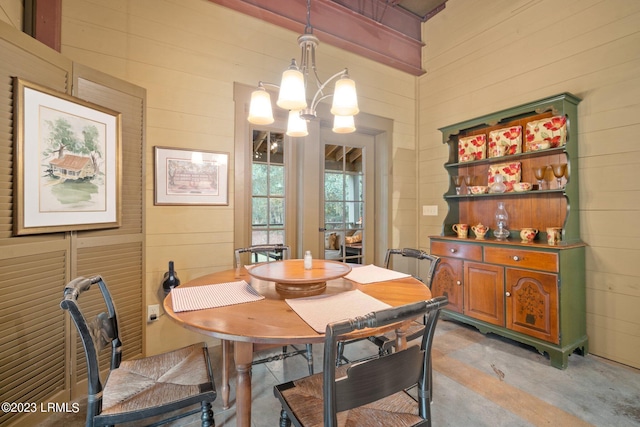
{"x": 191, "y": 177}
{"x": 66, "y": 163}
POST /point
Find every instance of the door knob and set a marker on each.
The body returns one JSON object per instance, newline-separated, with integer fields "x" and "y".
{"x": 508, "y": 294}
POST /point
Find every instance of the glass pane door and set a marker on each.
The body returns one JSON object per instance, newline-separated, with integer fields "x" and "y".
{"x": 268, "y": 189}
{"x": 344, "y": 203}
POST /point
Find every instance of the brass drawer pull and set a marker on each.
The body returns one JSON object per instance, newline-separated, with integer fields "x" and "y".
{"x": 453, "y": 251}
{"x": 516, "y": 258}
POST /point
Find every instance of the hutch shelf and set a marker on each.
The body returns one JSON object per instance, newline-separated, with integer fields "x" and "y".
{"x": 534, "y": 292}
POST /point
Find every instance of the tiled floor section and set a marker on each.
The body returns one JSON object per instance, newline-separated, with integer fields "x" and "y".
{"x": 478, "y": 381}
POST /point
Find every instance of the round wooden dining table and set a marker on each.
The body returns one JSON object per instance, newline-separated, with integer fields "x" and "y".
{"x": 271, "y": 321}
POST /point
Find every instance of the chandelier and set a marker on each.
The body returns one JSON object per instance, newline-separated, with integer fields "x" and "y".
{"x": 293, "y": 88}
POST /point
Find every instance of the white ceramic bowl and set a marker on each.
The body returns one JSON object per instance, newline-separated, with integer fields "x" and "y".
{"x": 478, "y": 189}
{"x": 522, "y": 186}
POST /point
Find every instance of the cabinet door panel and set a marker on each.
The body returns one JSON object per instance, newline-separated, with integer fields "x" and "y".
{"x": 447, "y": 281}
{"x": 484, "y": 292}
{"x": 532, "y": 305}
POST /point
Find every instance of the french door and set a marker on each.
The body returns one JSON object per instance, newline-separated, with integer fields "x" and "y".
{"x": 347, "y": 197}
{"x": 268, "y": 188}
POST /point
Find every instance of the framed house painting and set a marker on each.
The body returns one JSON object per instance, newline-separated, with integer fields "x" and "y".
{"x": 191, "y": 177}
{"x": 66, "y": 164}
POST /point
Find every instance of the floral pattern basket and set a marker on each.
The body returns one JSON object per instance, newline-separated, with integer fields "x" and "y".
{"x": 472, "y": 148}
{"x": 505, "y": 142}
{"x": 546, "y": 133}
{"x": 510, "y": 171}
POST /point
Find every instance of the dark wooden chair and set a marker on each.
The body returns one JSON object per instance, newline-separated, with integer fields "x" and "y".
{"x": 392, "y": 390}
{"x": 417, "y": 254}
{"x": 271, "y": 253}
{"x": 142, "y": 388}
{"x": 386, "y": 342}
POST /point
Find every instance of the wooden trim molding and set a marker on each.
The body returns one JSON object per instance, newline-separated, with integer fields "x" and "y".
{"x": 341, "y": 27}
{"x": 44, "y": 21}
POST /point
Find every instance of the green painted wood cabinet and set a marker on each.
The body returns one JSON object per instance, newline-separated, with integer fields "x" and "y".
{"x": 531, "y": 292}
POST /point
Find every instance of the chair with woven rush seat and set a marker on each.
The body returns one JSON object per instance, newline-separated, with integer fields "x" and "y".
{"x": 386, "y": 341}
{"x": 142, "y": 388}
{"x": 370, "y": 393}
{"x": 275, "y": 252}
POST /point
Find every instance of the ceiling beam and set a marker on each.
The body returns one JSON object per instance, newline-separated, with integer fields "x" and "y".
{"x": 341, "y": 27}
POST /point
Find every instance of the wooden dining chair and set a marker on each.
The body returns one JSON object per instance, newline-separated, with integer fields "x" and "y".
{"x": 418, "y": 254}
{"x": 386, "y": 341}
{"x": 262, "y": 253}
{"x": 392, "y": 390}
{"x": 155, "y": 386}
{"x": 269, "y": 253}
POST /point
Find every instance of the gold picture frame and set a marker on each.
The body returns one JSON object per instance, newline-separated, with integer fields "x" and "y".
{"x": 191, "y": 177}
{"x": 67, "y": 162}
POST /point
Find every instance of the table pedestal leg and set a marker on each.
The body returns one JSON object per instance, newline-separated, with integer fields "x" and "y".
{"x": 226, "y": 368}
{"x": 243, "y": 355}
{"x": 401, "y": 338}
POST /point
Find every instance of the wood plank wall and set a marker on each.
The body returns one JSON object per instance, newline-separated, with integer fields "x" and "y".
{"x": 12, "y": 12}
{"x": 188, "y": 54}
{"x": 487, "y": 56}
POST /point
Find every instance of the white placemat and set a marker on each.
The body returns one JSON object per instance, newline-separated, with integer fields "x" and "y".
{"x": 371, "y": 274}
{"x": 319, "y": 311}
{"x": 212, "y": 296}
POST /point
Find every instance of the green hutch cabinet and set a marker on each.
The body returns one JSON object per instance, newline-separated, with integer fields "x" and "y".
{"x": 532, "y": 292}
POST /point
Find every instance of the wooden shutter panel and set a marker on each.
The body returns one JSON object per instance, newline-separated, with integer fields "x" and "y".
{"x": 32, "y": 337}
{"x": 119, "y": 265}
{"x": 38, "y": 345}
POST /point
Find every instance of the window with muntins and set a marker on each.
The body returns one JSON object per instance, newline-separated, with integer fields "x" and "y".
{"x": 268, "y": 188}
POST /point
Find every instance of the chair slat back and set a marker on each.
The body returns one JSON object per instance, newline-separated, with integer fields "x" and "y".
{"x": 371, "y": 380}
{"x": 368, "y": 382}
{"x": 279, "y": 250}
{"x": 96, "y": 333}
{"x": 419, "y": 255}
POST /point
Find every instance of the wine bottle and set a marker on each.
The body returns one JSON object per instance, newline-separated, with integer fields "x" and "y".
{"x": 170, "y": 279}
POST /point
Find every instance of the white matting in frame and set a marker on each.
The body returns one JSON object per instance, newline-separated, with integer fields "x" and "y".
{"x": 191, "y": 177}
{"x": 67, "y": 162}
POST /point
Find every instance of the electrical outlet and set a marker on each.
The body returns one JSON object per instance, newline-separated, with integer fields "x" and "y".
{"x": 153, "y": 312}
{"x": 430, "y": 210}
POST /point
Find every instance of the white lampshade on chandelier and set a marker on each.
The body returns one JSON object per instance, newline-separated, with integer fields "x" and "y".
{"x": 343, "y": 124}
{"x": 292, "y": 94}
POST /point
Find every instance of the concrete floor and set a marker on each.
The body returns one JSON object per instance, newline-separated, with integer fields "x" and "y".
{"x": 479, "y": 380}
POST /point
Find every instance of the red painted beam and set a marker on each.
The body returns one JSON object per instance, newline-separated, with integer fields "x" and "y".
{"x": 339, "y": 26}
